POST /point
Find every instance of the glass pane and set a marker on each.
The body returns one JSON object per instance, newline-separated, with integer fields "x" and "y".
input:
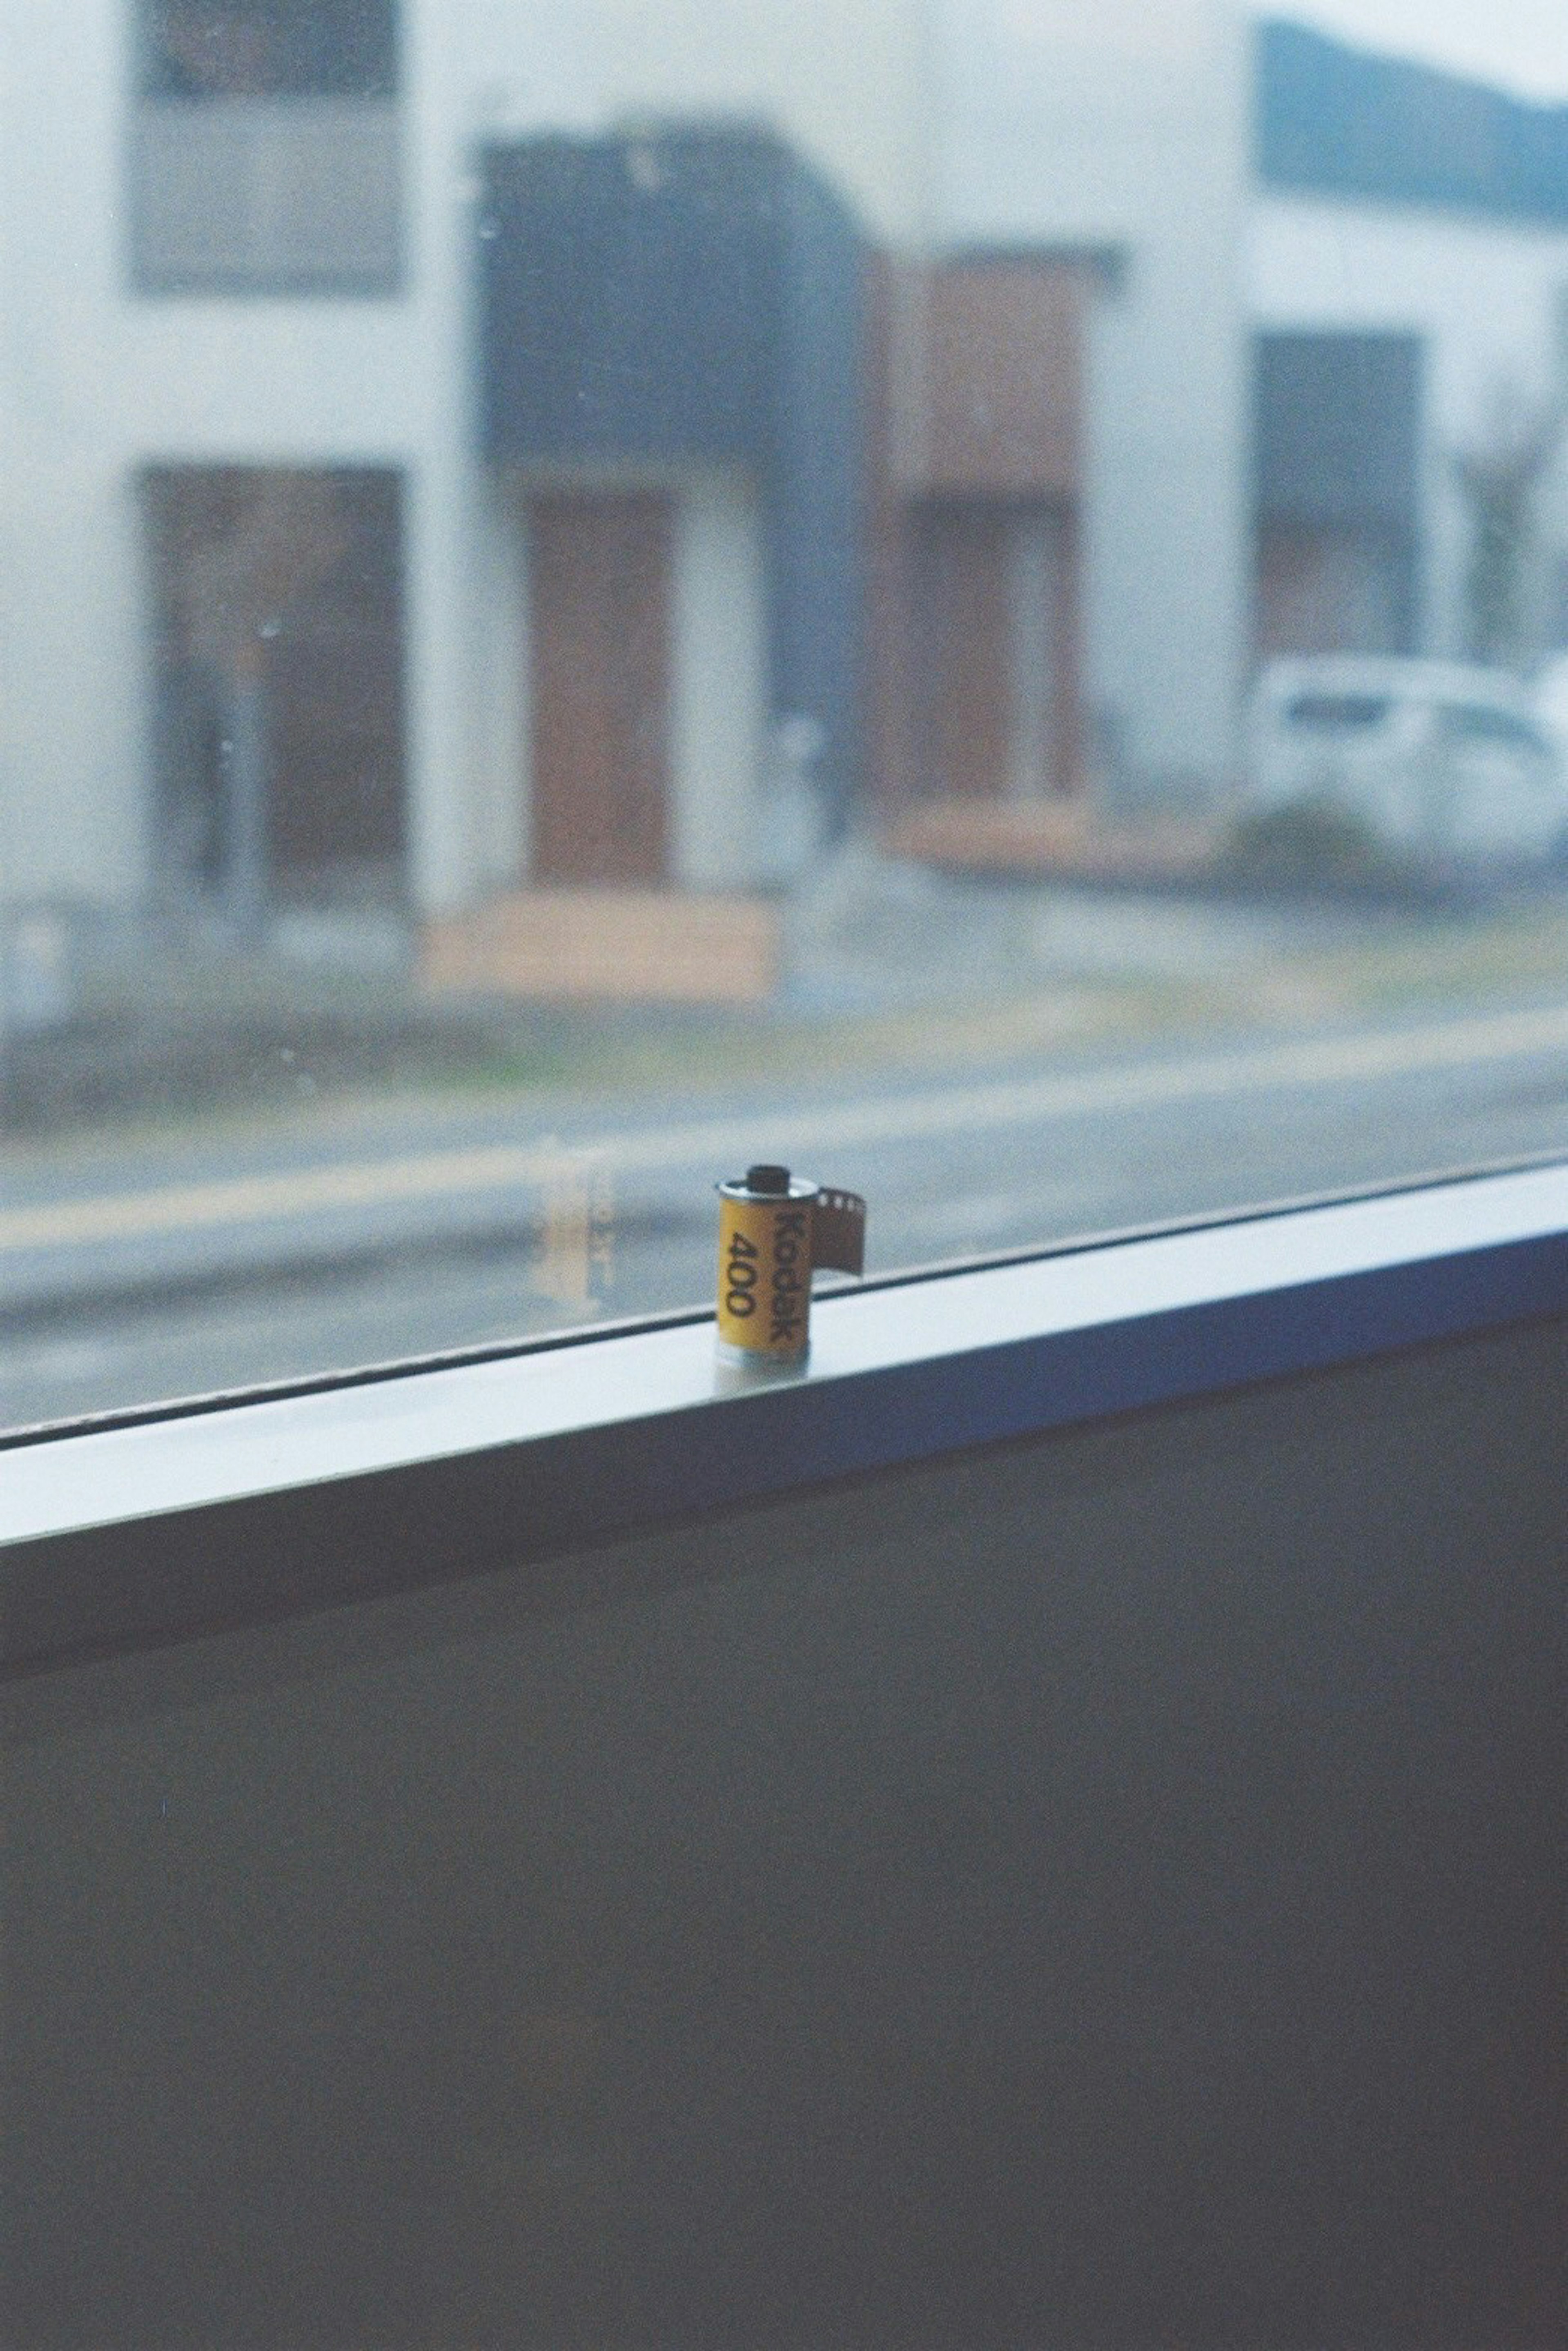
{"x": 603, "y": 592}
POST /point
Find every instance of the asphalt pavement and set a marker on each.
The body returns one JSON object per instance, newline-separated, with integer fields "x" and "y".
{"x": 133, "y": 1273}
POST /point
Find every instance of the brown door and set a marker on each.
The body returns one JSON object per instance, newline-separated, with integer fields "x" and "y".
{"x": 1326, "y": 590}
{"x": 994, "y": 645}
{"x": 962, "y": 649}
{"x": 1047, "y": 756}
{"x": 600, "y": 569}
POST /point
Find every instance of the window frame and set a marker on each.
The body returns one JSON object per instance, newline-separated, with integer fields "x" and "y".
{"x": 153, "y": 1526}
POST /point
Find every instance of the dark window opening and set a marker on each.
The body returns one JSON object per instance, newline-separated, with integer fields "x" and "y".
{"x": 269, "y": 48}
{"x": 278, "y": 591}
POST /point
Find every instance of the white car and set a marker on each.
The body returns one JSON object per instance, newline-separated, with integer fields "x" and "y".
{"x": 1549, "y": 694}
{"x": 1442, "y": 765}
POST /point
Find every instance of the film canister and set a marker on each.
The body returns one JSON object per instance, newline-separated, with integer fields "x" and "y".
{"x": 775, "y": 1230}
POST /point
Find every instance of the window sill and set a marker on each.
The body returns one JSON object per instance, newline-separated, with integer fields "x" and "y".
{"x": 122, "y": 1536}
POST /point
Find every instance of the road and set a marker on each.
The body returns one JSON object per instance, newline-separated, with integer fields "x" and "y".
{"x": 146, "y": 1271}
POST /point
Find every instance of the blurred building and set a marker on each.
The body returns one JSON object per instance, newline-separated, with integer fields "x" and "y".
{"x": 1408, "y": 280}
{"x": 453, "y": 448}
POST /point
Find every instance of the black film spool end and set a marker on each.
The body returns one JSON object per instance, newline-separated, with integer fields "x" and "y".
{"x": 774, "y": 1182}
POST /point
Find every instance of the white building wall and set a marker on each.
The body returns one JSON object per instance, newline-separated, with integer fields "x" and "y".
{"x": 718, "y": 689}
{"x": 1489, "y": 299}
{"x": 847, "y": 82}
{"x": 71, "y": 757}
{"x": 443, "y": 525}
{"x": 500, "y": 668}
{"x": 1127, "y": 127}
{"x": 97, "y": 382}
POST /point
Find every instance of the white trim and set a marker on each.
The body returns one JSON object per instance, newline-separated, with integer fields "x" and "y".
{"x": 718, "y": 689}
{"x": 184, "y": 1462}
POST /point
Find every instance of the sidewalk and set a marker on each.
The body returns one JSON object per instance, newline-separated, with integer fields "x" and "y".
{"x": 159, "y": 1026}
{"x": 881, "y": 960}
{"x": 396, "y": 1185}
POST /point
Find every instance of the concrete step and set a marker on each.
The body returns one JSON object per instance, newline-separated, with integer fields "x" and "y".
{"x": 1044, "y": 839}
{"x": 559, "y": 946}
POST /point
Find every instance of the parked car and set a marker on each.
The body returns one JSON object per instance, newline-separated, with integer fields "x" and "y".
{"x": 1437, "y": 766}
{"x": 1550, "y": 694}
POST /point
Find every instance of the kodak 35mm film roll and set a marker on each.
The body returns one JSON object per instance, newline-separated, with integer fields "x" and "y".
{"x": 775, "y": 1230}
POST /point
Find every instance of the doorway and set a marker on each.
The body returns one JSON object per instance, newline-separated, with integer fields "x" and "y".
{"x": 600, "y": 567}
{"x": 992, "y": 644}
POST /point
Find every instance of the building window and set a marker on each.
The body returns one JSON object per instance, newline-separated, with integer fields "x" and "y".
{"x": 278, "y": 697}
{"x": 265, "y": 153}
{"x": 979, "y": 490}
{"x": 216, "y": 49}
{"x": 1338, "y": 457}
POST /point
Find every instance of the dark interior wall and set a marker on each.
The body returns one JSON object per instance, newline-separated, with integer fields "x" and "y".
{"x": 1102, "y": 1891}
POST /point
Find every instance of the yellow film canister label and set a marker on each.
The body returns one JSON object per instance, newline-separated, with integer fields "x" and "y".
{"x": 767, "y": 1250}
{"x": 764, "y": 1271}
